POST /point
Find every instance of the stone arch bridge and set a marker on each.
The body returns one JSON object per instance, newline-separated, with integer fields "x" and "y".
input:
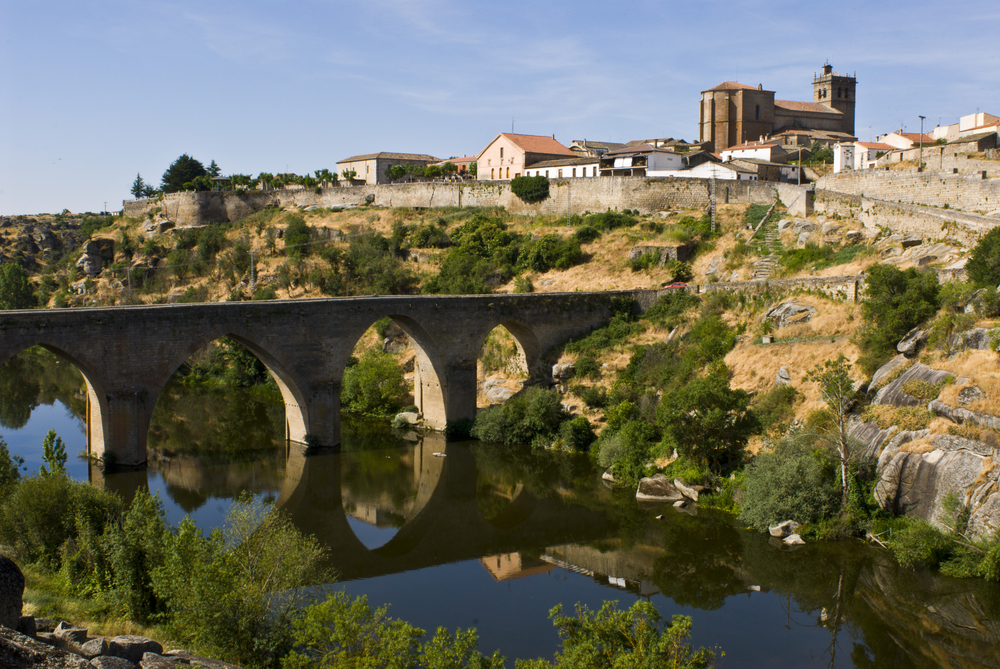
{"x": 127, "y": 354}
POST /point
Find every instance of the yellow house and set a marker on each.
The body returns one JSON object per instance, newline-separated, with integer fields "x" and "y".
{"x": 508, "y": 155}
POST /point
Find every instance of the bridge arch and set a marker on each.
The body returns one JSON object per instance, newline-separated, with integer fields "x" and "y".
{"x": 527, "y": 343}
{"x": 297, "y": 408}
{"x": 98, "y": 410}
{"x": 430, "y": 387}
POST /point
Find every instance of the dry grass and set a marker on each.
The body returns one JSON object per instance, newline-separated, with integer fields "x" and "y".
{"x": 981, "y": 368}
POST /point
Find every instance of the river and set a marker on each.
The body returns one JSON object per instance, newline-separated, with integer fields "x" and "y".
{"x": 474, "y": 535}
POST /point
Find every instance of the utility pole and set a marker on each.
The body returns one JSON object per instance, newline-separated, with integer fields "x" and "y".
{"x": 713, "y": 199}
{"x": 920, "y": 164}
{"x": 253, "y": 272}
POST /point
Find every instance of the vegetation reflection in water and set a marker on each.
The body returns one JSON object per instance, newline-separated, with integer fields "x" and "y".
{"x": 844, "y": 604}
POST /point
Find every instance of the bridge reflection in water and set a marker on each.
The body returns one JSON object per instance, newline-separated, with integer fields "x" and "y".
{"x": 837, "y": 596}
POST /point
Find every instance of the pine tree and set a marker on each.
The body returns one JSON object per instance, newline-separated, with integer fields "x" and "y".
{"x": 138, "y": 186}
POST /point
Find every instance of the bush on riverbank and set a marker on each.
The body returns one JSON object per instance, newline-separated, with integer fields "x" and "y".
{"x": 374, "y": 385}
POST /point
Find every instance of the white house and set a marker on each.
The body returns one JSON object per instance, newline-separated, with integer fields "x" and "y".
{"x": 641, "y": 160}
{"x": 564, "y": 168}
{"x": 771, "y": 152}
{"x": 726, "y": 171}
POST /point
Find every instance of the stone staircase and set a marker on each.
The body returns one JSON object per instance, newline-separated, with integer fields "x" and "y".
{"x": 764, "y": 268}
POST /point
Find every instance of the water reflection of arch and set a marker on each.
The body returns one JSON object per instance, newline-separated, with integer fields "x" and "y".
{"x": 268, "y": 352}
{"x": 430, "y": 390}
{"x": 445, "y": 524}
{"x": 97, "y": 397}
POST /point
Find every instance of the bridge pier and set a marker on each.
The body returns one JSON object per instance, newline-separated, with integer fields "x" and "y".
{"x": 117, "y": 425}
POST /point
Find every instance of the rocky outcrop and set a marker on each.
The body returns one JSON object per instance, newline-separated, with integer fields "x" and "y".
{"x": 960, "y": 415}
{"x": 885, "y": 370}
{"x": 915, "y": 483}
{"x": 18, "y": 651}
{"x": 893, "y": 393}
{"x": 911, "y": 343}
{"x": 659, "y": 488}
{"x": 790, "y": 313}
{"x": 11, "y": 593}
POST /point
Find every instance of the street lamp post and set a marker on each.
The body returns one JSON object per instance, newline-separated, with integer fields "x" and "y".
{"x": 920, "y": 164}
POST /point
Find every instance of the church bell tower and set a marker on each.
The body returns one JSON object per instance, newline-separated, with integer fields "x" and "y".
{"x": 837, "y": 91}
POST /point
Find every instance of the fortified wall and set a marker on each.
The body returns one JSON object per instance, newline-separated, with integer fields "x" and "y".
{"x": 968, "y": 192}
{"x": 929, "y": 222}
{"x": 566, "y": 196}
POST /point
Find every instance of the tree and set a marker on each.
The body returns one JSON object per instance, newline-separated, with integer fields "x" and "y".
{"x": 530, "y": 189}
{"x": 349, "y": 174}
{"x": 374, "y": 386}
{"x": 10, "y": 467}
{"x": 473, "y": 169}
{"x": 15, "y": 292}
{"x": 709, "y": 419}
{"x": 297, "y": 236}
{"x": 894, "y": 303}
{"x": 983, "y": 267}
{"x": 214, "y": 170}
{"x": 325, "y": 176}
{"x": 53, "y": 455}
{"x": 835, "y": 383}
{"x": 611, "y": 638}
{"x": 449, "y": 168}
{"x": 138, "y": 187}
{"x": 183, "y": 170}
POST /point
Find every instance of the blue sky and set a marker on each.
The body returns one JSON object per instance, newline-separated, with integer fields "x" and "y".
{"x": 93, "y": 92}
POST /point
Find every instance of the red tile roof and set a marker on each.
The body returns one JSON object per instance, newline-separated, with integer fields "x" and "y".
{"x": 915, "y": 137}
{"x": 878, "y": 146}
{"x": 731, "y": 86}
{"x": 793, "y": 105}
{"x": 538, "y": 144}
{"x": 390, "y": 156}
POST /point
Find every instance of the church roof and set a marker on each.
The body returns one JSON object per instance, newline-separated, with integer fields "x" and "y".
{"x": 815, "y": 107}
{"x": 732, "y": 86}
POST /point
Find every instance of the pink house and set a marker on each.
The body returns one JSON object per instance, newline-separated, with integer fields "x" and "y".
{"x": 508, "y": 155}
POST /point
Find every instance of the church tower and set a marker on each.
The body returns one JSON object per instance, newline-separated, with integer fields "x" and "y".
{"x": 837, "y": 91}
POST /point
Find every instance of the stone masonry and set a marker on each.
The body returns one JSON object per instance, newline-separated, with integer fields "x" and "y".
{"x": 127, "y": 354}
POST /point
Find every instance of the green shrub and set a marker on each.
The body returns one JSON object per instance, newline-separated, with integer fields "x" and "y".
{"x": 523, "y": 284}
{"x": 775, "y": 409}
{"x": 210, "y": 242}
{"x": 790, "y": 483}
{"x": 42, "y": 513}
{"x": 297, "y": 236}
{"x": 586, "y": 234}
{"x": 916, "y": 543}
{"x": 670, "y": 307}
{"x": 530, "y": 189}
{"x": 644, "y": 262}
{"x": 983, "y": 267}
{"x": 531, "y": 414}
{"x": 265, "y": 293}
{"x": 374, "y": 386}
{"x": 755, "y": 214}
{"x": 593, "y": 396}
{"x": 549, "y": 252}
{"x": 430, "y": 236}
{"x": 345, "y": 632}
{"x": 195, "y": 294}
{"x": 609, "y": 220}
{"x": 627, "y": 449}
{"x": 894, "y": 303}
{"x": 615, "y": 332}
{"x": 577, "y": 434}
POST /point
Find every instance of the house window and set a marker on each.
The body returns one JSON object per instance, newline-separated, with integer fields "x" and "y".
{"x": 574, "y": 171}
{"x": 508, "y": 173}
{"x": 492, "y": 174}
{"x": 560, "y": 174}
{"x": 546, "y": 174}
{"x": 501, "y": 153}
{"x": 845, "y": 92}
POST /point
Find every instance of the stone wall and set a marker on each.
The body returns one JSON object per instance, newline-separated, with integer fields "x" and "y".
{"x": 565, "y": 196}
{"x": 968, "y": 192}
{"x": 901, "y": 218}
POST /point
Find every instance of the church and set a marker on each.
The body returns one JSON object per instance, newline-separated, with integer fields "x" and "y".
{"x": 733, "y": 114}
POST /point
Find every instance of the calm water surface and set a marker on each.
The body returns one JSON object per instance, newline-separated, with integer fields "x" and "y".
{"x": 495, "y": 537}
